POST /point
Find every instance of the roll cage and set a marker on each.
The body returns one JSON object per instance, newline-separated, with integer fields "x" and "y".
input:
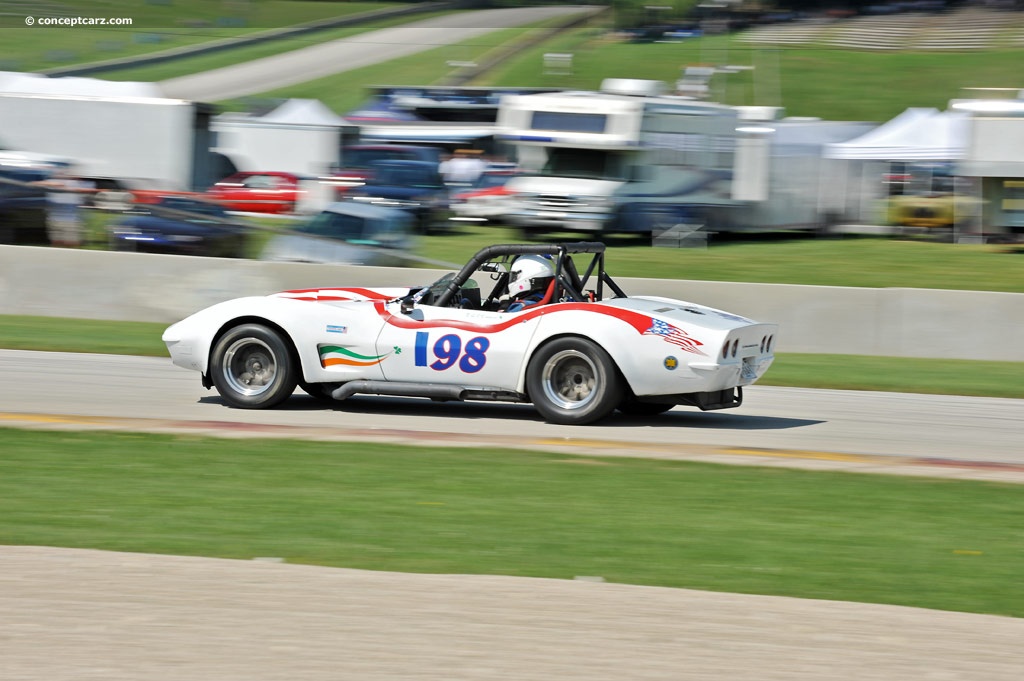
{"x": 570, "y": 284}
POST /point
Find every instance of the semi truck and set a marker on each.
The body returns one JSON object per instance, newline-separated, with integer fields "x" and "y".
{"x": 163, "y": 143}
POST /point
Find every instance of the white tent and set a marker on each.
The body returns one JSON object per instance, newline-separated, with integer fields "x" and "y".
{"x": 304, "y": 112}
{"x": 917, "y": 134}
{"x": 300, "y": 136}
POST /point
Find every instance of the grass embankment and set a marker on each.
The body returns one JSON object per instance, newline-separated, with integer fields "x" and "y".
{"x": 951, "y": 545}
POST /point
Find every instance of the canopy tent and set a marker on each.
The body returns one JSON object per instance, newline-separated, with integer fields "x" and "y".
{"x": 300, "y": 136}
{"x": 917, "y": 134}
{"x": 304, "y": 112}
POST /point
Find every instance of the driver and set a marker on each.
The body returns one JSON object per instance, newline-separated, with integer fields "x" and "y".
{"x": 528, "y": 281}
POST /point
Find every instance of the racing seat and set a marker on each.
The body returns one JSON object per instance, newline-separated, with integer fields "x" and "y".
{"x": 547, "y": 294}
{"x": 520, "y": 305}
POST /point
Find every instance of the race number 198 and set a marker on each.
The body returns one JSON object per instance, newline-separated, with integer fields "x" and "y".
{"x": 448, "y": 350}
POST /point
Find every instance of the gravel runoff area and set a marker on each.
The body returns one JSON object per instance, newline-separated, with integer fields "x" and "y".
{"x": 73, "y": 614}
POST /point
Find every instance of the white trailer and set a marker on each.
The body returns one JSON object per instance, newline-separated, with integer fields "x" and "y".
{"x": 630, "y": 159}
{"x": 165, "y": 142}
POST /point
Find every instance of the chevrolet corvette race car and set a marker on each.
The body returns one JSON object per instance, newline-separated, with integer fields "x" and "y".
{"x": 578, "y": 348}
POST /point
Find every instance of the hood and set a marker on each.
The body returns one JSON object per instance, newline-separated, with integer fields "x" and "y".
{"x": 570, "y": 186}
{"x": 343, "y": 294}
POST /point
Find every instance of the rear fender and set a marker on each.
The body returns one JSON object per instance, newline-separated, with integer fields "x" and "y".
{"x": 608, "y": 332}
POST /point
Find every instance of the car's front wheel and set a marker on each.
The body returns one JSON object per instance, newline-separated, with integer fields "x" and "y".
{"x": 573, "y": 381}
{"x": 252, "y": 367}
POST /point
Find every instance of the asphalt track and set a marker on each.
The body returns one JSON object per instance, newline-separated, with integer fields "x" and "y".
{"x": 936, "y": 435}
{"x": 374, "y": 47}
{"x": 78, "y": 615}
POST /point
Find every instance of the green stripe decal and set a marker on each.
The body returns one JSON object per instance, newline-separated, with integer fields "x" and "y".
{"x": 334, "y": 349}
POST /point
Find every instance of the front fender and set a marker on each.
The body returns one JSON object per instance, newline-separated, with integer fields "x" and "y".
{"x": 191, "y": 340}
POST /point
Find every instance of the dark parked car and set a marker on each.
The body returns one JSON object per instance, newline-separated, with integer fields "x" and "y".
{"x": 181, "y": 225}
{"x": 348, "y": 233}
{"x": 358, "y": 160}
{"x": 413, "y": 186}
{"x": 22, "y": 206}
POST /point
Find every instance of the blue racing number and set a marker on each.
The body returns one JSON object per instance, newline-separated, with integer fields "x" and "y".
{"x": 448, "y": 350}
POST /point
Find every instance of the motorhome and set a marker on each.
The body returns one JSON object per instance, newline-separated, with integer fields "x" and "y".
{"x": 632, "y": 159}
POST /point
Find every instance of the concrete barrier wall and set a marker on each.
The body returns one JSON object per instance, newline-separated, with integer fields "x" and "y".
{"x": 896, "y": 322}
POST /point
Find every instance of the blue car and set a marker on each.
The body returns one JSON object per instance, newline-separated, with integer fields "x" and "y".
{"x": 181, "y": 225}
{"x": 413, "y": 186}
{"x": 347, "y": 233}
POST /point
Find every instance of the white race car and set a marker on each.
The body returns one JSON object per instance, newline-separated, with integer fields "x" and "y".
{"x": 550, "y": 327}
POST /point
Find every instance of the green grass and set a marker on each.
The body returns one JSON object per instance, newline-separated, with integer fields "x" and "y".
{"x": 898, "y": 374}
{"x": 949, "y": 545}
{"x": 19, "y": 332}
{"x": 841, "y": 372}
{"x": 156, "y": 25}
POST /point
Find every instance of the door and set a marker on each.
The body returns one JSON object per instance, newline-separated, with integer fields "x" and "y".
{"x": 455, "y": 346}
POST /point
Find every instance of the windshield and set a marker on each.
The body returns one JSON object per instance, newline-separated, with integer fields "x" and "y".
{"x": 590, "y": 164}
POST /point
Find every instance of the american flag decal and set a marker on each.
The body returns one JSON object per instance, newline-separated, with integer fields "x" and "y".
{"x": 674, "y": 335}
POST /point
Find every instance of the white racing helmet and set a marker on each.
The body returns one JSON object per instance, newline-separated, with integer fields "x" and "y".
{"x": 525, "y": 269}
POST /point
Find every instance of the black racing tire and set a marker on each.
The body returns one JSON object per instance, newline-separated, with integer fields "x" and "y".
{"x": 637, "y": 408}
{"x": 573, "y": 381}
{"x": 252, "y": 367}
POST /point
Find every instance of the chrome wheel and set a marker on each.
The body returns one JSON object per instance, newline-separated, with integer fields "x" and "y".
{"x": 569, "y": 379}
{"x": 249, "y": 366}
{"x": 573, "y": 381}
{"x": 253, "y": 367}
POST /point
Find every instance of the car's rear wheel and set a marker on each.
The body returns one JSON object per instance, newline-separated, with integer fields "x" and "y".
{"x": 573, "y": 381}
{"x": 252, "y": 367}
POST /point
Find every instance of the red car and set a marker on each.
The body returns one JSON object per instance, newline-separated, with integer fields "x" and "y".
{"x": 486, "y": 199}
{"x": 258, "y": 192}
